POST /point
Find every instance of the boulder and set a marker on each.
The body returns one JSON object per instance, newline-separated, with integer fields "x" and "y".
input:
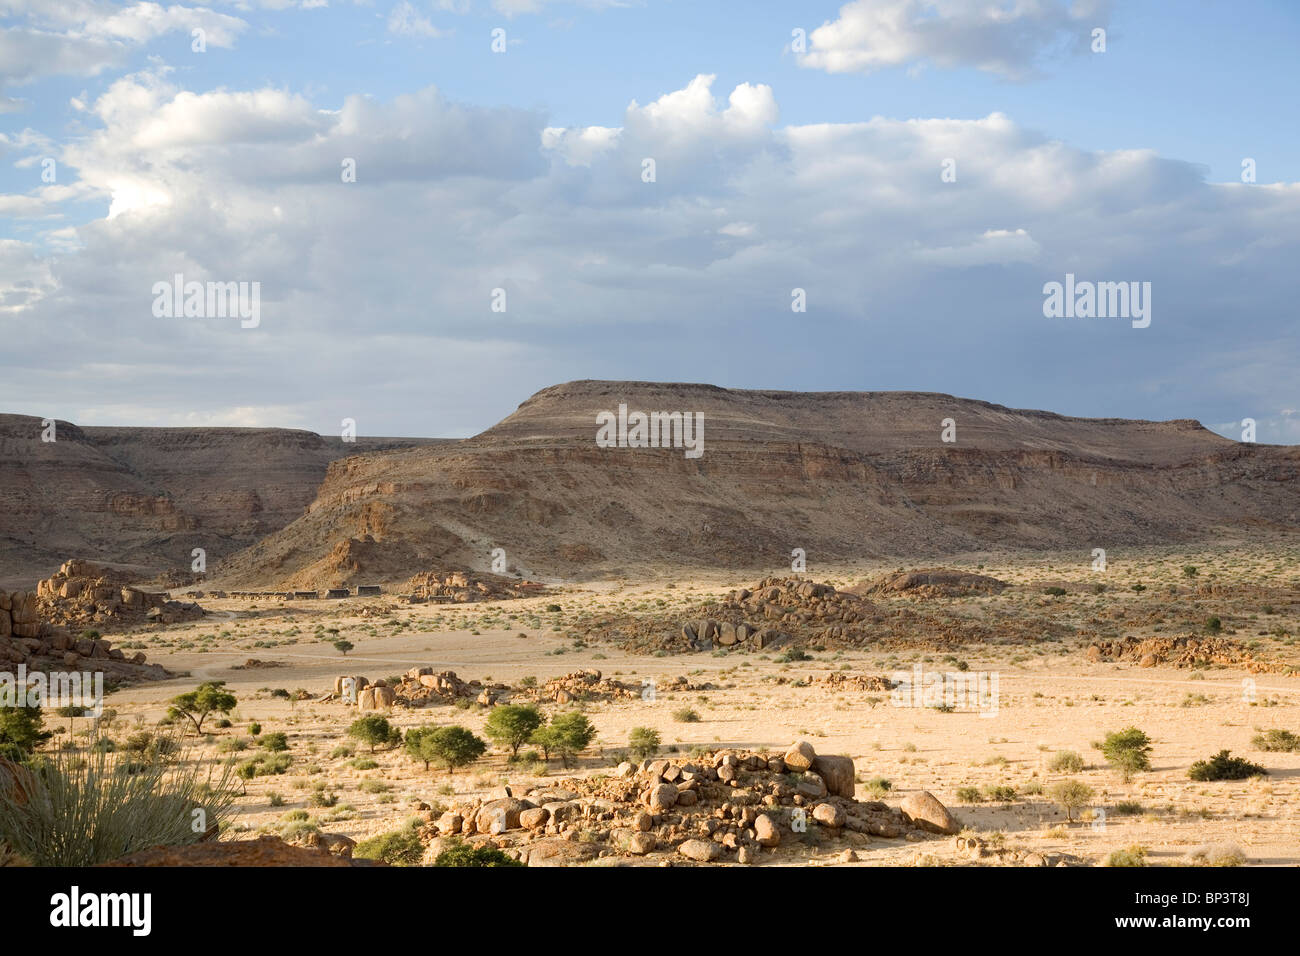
{"x": 829, "y": 815}
{"x": 504, "y": 813}
{"x": 925, "y": 811}
{"x": 701, "y": 851}
{"x": 661, "y": 797}
{"x": 766, "y": 831}
{"x": 811, "y": 787}
{"x": 800, "y": 756}
{"x": 839, "y": 774}
{"x": 534, "y": 818}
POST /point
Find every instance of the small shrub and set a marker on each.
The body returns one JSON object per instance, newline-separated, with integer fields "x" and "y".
{"x": 277, "y": 741}
{"x": 643, "y": 742}
{"x": 1217, "y": 854}
{"x": 1276, "y": 741}
{"x": 1134, "y": 855}
{"x": 397, "y": 848}
{"x": 462, "y": 854}
{"x": 1127, "y": 750}
{"x": 1066, "y": 761}
{"x": 1070, "y": 795}
{"x": 1224, "y": 767}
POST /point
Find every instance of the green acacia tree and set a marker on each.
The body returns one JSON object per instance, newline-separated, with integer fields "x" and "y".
{"x": 420, "y": 746}
{"x": 456, "y": 747}
{"x": 1127, "y": 750}
{"x": 567, "y": 735}
{"x": 374, "y": 730}
{"x": 209, "y": 697}
{"x": 511, "y": 725}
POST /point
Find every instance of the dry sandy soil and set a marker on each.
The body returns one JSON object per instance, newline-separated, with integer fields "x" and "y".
{"x": 1051, "y": 698}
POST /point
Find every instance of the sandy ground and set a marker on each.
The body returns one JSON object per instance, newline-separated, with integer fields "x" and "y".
{"x": 1050, "y": 698}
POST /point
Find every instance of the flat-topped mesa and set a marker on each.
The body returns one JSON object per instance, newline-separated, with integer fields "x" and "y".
{"x": 836, "y": 475}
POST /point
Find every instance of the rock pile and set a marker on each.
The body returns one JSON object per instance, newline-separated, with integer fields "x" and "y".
{"x": 418, "y": 687}
{"x": 262, "y": 851}
{"x": 82, "y": 593}
{"x": 590, "y": 685}
{"x": 26, "y": 638}
{"x": 776, "y": 612}
{"x": 727, "y": 806}
{"x": 797, "y": 612}
{"x": 983, "y": 851}
{"x": 932, "y": 582}
{"x": 856, "y": 682}
{"x": 1187, "y": 651}
{"x": 461, "y": 587}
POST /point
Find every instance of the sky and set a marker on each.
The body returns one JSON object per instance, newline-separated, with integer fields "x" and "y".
{"x": 446, "y": 205}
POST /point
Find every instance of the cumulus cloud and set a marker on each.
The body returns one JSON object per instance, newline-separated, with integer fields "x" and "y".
{"x": 376, "y": 294}
{"x": 86, "y": 37}
{"x": 1006, "y": 37}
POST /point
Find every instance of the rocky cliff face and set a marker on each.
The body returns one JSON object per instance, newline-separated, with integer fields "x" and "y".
{"x": 146, "y": 496}
{"x": 843, "y": 474}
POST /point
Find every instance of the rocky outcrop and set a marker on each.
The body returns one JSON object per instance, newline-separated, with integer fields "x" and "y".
{"x": 727, "y": 806}
{"x": 1187, "y": 651}
{"x": 149, "y": 496}
{"x": 933, "y": 582}
{"x": 81, "y": 593}
{"x": 27, "y": 637}
{"x": 462, "y": 587}
{"x": 829, "y": 473}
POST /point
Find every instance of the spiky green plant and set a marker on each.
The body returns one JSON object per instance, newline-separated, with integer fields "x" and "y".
{"x": 95, "y": 806}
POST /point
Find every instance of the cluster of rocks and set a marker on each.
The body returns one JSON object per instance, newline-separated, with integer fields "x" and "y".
{"x": 796, "y": 611}
{"x": 418, "y": 687}
{"x": 980, "y": 850}
{"x": 837, "y": 680}
{"x": 779, "y": 609}
{"x": 323, "y": 850}
{"x": 1187, "y": 651}
{"x": 933, "y": 582}
{"x": 461, "y": 587}
{"x": 82, "y": 593}
{"x": 727, "y": 806}
{"x": 590, "y": 685}
{"x": 376, "y": 696}
{"x": 26, "y": 638}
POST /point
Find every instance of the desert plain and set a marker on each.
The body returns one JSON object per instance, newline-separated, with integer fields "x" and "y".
{"x": 993, "y": 770}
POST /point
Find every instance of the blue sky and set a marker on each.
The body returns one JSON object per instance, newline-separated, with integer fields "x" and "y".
{"x": 521, "y": 170}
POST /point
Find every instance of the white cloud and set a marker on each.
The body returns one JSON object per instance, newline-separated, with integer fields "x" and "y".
{"x": 85, "y": 37}
{"x": 376, "y": 294}
{"x": 405, "y": 21}
{"x": 1006, "y": 37}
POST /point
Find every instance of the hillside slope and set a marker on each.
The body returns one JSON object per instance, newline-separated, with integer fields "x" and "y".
{"x": 838, "y": 474}
{"x": 146, "y": 496}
